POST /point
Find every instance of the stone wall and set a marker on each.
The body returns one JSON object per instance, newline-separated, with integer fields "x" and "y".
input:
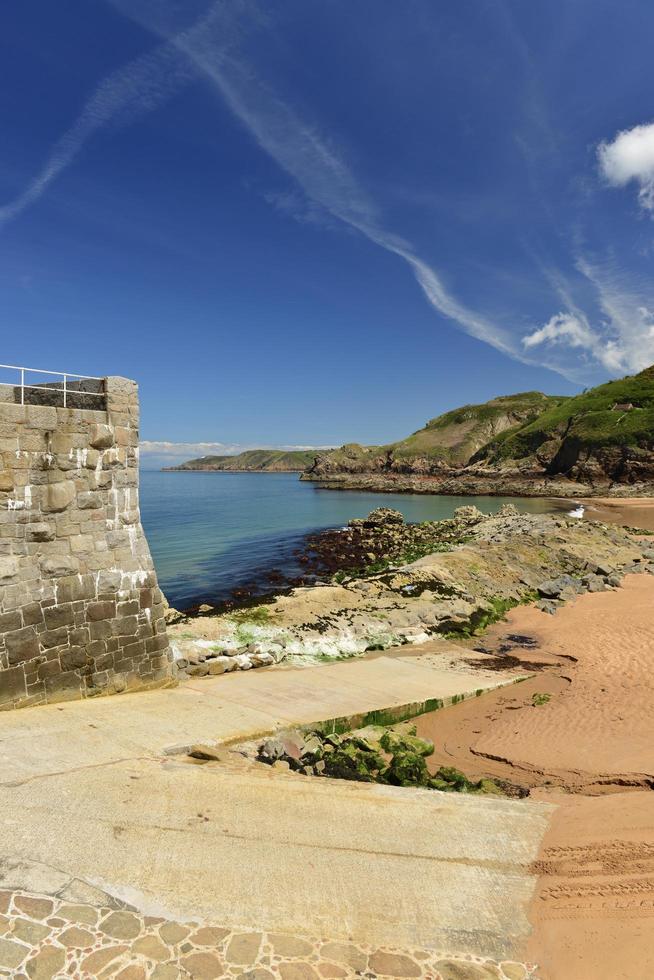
{"x": 80, "y": 610}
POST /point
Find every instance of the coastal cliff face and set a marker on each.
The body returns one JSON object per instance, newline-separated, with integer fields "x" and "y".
{"x": 601, "y": 441}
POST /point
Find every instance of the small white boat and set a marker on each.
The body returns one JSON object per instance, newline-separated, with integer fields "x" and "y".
{"x": 577, "y": 512}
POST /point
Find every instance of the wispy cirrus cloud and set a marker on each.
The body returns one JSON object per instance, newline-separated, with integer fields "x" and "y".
{"x": 131, "y": 91}
{"x": 620, "y": 337}
{"x": 329, "y": 189}
{"x": 312, "y": 161}
{"x": 573, "y": 331}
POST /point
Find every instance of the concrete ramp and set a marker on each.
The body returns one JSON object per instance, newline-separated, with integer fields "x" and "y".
{"x": 96, "y": 816}
{"x": 273, "y": 852}
{"x": 71, "y": 735}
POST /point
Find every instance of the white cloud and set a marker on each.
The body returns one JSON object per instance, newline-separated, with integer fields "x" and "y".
{"x": 307, "y": 156}
{"x": 621, "y": 339}
{"x": 630, "y": 156}
{"x": 561, "y": 328}
{"x": 627, "y": 305}
{"x": 572, "y": 330}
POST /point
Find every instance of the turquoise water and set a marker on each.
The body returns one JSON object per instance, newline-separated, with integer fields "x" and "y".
{"x": 212, "y": 532}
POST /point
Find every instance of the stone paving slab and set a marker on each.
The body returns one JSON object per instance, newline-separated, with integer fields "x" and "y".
{"x": 42, "y": 938}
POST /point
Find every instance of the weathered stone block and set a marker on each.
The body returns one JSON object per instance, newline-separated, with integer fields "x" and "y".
{"x": 58, "y": 616}
{"x": 59, "y": 496}
{"x": 10, "y": 621}
{"x": 100, "y": 630}
{"x": 40, "y": 532}
{"x": 89, "y": 500}
{"x": 101, "y": 610}
{"x": 63, "y": 687}
{"x": 59, "y": 566}
{"x": 32, "y": 614}
{"x": 22, "y": 645}
{"x": 102, "y": 436}
{"x": 73, "y": 658}
{"x": 8, "y": 570}
{"x": 12, "y": 685}
{"x": 54, "y": 638}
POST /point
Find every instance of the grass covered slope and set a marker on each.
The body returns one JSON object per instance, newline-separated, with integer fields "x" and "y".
{"x": 448, "y": 440}
{"x": 597, "y": 422}
{"x": 526, "y": 444}
{"x": 265, "y": 460}
{"x": 457, "y": 435}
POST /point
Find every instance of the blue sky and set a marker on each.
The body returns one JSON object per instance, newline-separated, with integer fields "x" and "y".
{"x": 309, "y": 223}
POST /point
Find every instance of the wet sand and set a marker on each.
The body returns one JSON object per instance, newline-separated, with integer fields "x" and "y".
{"x": 589, "y": 749}
{"x": 634, "y": 512}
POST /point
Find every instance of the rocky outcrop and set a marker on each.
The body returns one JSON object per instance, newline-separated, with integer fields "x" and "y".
{"x": 394, "y": 756}
{"x": 476, "y": 567}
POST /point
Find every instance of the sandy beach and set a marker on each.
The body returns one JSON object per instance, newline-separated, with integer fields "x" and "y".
{"x": 588, "y": 749}
{"x": 632, "y": 512}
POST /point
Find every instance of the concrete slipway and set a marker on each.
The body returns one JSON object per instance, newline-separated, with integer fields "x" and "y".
{"x": 97, "y": 807}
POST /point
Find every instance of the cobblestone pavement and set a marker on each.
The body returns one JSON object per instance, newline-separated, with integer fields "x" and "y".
{"x": 45, "y": 938}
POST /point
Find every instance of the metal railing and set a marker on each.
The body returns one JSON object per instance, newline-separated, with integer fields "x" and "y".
{"x": 72, "y": 389}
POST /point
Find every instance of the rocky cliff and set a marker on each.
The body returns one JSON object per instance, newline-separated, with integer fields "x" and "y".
{"x": 601, "y": 441}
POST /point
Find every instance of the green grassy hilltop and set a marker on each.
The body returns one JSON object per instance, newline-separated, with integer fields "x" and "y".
{"x": 593, "y": 420}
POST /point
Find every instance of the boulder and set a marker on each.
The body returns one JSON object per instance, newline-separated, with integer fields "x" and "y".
{"x": 380, "y": 517}
{"x": 222, "y": 665}
{"x": 288, "y": 745}
{"x": 394, "y": 742}
{"x": 468, "y": 513}
{"x": 407, "y": 769}
{"x": 209, "y": 753}
{"x": 556, "y": 588}
{"x": 352, "y": 763}
{"x": 548, "y": 606}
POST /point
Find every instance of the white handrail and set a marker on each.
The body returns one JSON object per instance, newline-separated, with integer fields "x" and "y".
{"x": 62, "y": 374}
{"x": 44, "y": 386}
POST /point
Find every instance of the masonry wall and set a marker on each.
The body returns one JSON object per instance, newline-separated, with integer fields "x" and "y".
{"x": 81, "y": 613}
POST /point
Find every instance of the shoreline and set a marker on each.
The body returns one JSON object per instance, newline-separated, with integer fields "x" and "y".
{"x": 637, "y": 512}
{"x": 468, "y": 485}
{"x": 439, "y": 579}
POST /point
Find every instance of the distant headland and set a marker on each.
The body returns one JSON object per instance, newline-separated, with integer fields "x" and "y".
{"x": 597, "y": 443}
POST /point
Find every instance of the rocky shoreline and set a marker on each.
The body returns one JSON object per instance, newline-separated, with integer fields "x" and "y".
{"x": 481, "y": 482}
{"x": 400, "y": 584}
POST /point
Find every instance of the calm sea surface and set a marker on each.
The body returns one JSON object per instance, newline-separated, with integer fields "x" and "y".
{"x": 212, "y": 532}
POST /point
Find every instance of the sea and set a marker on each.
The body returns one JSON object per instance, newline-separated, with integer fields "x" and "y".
{"x": 211, "y": 532}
